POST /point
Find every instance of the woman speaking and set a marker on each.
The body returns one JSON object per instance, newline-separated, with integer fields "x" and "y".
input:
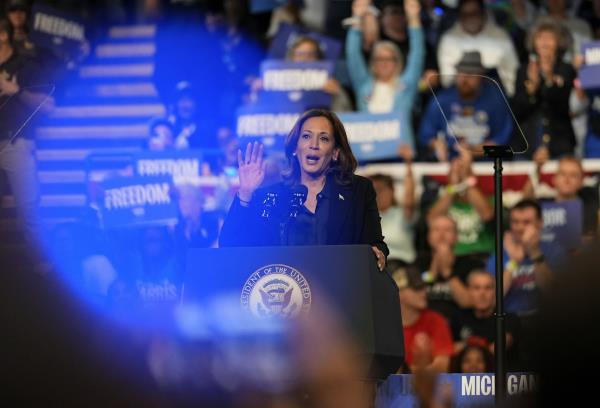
{"x": 320, "y": 202}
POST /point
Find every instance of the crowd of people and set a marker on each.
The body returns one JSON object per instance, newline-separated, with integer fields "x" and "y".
{"x": 440, "y": 252}
{"x": 475, "y": 56}
{"x": 447, "y": 284}
{"x": 396, "y": 54}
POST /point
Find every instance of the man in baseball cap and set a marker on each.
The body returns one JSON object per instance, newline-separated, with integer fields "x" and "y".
{"x": 418, "y": 320}
{"x": 473, "y": 111}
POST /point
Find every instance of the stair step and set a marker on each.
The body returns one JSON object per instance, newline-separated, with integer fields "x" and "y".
{"x": 63, "y": 200}
{"x": 119, "y": 61}
{"x": 137, "y": 31}
{"x": 90, "y": 143}
{"x": 126, "y": 50}
{"x": 113, "y": 91}
{"x": 141, "y": 70}
{"x": 94, "y": 121}
{"x": 53, "y": 200}
{"x": 49, "y": 177}
{"x": 104, "y": 111}
{"x": 72, "y": 100}
{"x": 64, "y": 155}
{"x": 79, "y": 133}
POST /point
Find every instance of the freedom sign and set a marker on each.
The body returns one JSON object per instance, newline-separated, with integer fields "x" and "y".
{"x": 288, "y": 34}
{"x": 174, "y": 163}
{"x": 373, "y": 136}
{"x": 56, "y": 29}
{"x": 466, "y": 389}
{"x": 297, "y": 82}
{"x": 137, "y": 201}
{"x": 589, "y": 73}
{"x": 267, "y": 124}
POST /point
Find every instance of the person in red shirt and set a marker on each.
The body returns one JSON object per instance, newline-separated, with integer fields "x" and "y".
{"x": 418, "y": 320}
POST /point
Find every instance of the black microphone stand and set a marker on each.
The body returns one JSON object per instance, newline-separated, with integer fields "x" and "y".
{"x": 498, "y": 153}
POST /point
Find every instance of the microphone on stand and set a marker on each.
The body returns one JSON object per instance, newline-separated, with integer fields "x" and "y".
{"x": 297, "y": 198}
{"x": 268, "y": 204}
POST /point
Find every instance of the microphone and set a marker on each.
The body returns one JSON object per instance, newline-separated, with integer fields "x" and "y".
{"x": 269, "y": 202}
{"x": 297, "y": 199}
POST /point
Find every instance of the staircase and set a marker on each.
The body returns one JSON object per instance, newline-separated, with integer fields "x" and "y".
{"x": 105, "y": 110}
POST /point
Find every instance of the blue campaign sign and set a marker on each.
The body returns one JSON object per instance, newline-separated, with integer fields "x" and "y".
{"x": 267, "y": 123}
{"x": 373, "y": 136}
{"x": 56, "y": 29}
{"x": 137, "y": 201}
{"x": 263, "y": 6}
{"x": 589, "y": 73}
{"x": 288, "y": 34}
{"x": 298, "y": 82}
{"x": 563, "y": 223}
{"x": 174, "y": 163}
{"x": 466, "y": 389}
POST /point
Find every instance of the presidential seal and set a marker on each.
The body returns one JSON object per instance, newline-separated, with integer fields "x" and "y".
{"x": 276, "y": 290}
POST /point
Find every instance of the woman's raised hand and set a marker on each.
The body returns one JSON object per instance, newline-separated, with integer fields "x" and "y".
{"x": 412, "y": 9}
{"x": 252, "y": 170}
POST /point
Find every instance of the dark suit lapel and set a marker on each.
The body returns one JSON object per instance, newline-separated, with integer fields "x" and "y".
{"x": 340, "y": 202}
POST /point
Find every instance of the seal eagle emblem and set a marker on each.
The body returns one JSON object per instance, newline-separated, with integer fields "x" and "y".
{"x": 276, "y": 290}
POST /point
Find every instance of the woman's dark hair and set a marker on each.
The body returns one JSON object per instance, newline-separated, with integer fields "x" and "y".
{"x": 456, "y": 363}
{"x": 345, "y": 165}
{"x": 480, "y": 3}
{"x": 529, "y": 203}
{"x": 305, "y": 39}
{"x": 7, "y": 28}
{"x": 388, "y": 181}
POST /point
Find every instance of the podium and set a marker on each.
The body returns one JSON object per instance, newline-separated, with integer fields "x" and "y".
{"x": 286, "y": 281}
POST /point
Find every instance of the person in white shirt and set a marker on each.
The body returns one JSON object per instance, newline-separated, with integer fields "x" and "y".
{"x": 397, "y": 220}
{"x": 474, "y": 31}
